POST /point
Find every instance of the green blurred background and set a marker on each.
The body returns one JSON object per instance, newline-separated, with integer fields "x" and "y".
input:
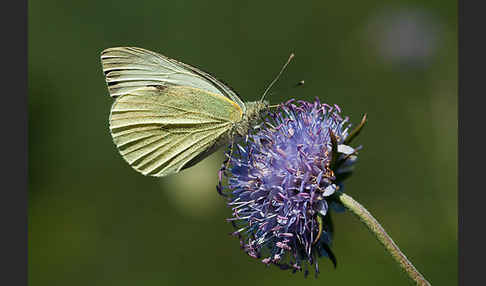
{"x": 95, "y": 221}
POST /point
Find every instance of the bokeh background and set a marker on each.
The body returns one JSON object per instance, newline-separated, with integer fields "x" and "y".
{"x": 95, "y": 221}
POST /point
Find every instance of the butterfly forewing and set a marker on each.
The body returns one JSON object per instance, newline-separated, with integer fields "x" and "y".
{"x": 159, "y": 130}
{"x": 129, "y": 68}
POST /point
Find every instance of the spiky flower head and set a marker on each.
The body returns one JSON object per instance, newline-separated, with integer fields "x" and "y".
{"x": 280, "y": 182}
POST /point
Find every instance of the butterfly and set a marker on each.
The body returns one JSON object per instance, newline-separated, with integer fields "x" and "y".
{"x": 168, "y": 115}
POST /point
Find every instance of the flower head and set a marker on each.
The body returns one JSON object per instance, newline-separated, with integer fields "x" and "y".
{"x": 280, "y": 181}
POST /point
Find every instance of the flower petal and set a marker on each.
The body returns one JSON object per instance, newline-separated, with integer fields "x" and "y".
{"x": 345, "y": 149}
{"x": 329, "y": 190}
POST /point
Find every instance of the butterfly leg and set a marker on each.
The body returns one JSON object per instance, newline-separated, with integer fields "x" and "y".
{"x": 231, "y": 154}
{"x": 223, "y": 169}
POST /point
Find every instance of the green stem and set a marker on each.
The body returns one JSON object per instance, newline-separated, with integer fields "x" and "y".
{"x": 383, "y": 237}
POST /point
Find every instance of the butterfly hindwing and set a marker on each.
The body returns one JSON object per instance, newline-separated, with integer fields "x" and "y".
{"x": 158, "y": 130}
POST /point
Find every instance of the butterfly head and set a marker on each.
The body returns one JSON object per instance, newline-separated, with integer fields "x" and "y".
{"x": 254, "y": 113}
{"x": 255, "y": 110}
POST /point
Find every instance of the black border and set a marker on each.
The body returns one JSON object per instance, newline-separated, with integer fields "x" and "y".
{"x": 13, "y": 209}
{"x": 471, "y": 63}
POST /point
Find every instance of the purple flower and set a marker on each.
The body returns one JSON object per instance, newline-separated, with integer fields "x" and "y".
{"x": 280, "y": 183}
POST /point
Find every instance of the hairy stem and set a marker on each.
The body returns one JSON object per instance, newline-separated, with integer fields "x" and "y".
{"x": 382, "y": 237}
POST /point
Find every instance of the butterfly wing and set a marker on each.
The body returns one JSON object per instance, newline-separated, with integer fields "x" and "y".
{"x": 161, "y": 130}
{"x": 129, "y": 68}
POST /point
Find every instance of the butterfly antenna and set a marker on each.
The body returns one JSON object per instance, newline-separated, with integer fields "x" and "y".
{"x": 300, "y": 83}
{"x": 279, "y": 74}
